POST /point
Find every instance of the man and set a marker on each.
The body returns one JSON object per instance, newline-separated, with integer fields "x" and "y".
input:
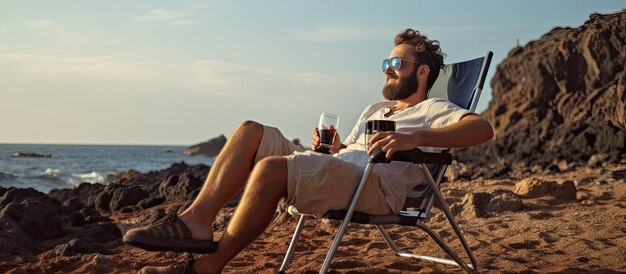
{"x": 314, "y": 182}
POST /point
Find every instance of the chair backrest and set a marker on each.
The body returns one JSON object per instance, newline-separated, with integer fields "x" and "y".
{"x": 460, "y": 83}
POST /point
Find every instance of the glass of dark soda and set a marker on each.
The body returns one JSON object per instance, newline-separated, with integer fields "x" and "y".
{"x": 374, "y": 126}
{"x": 327, "y": 128}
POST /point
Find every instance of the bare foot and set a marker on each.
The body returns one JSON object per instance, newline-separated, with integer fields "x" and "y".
{"x": 200, "y": 231}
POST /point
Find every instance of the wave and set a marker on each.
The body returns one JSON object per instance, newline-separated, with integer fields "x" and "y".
{"x": 72, "y": 179}
{"x": 7, "y": 175}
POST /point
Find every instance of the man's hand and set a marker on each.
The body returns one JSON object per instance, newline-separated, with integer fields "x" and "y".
{"x": 390, "y": 142}
{"x": 315, "y": 142}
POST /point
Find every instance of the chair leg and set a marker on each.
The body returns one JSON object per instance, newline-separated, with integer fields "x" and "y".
{"x": 292, "y": 245}
{"x": 446, "y": 211}
{"x": 346, "y": 218}
{"x": 467, "y": 267}
{"x": 456, "y": 262}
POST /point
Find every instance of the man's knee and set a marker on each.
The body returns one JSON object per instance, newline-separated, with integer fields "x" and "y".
{"x": 250, "y": 125}
{"x": 271, "y": 172}
{"x": 272, "y": 166}
{"x": 249, "y": 130}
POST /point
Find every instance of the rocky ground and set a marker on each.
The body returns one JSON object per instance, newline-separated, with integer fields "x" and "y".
{"x": 563, "y": 222}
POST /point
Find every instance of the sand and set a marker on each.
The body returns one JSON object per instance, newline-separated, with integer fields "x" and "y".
{"x": 547, "y": 234}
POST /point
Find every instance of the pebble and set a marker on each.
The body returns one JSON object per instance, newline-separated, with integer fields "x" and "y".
{"x": 18, "y": 260}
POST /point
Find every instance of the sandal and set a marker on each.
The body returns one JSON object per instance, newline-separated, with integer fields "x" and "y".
{"x": 168, "y": 234}
{"x": 186, "y": 268}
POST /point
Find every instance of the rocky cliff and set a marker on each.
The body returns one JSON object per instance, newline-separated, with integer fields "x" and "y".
{"x": 210, "y": 148}
{"x": 561, "y": 99}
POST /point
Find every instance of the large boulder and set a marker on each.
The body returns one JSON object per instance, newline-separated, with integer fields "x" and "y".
{"x": 185, "y": 186}
{"x": 561, "y": 97}
{"x": 32, "y": 212}
{"x": 27, "y": 217}
{"x": 210, "y": 148}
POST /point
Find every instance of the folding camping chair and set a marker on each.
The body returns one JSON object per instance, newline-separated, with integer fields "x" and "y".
{"x": 460, "y": 83}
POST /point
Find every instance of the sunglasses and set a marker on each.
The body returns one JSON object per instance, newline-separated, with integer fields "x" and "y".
{"x": 395, "y": 63}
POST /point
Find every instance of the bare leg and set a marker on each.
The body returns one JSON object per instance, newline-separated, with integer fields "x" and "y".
{"x": 267, "y": 185}
{"x": 226, "y": 178}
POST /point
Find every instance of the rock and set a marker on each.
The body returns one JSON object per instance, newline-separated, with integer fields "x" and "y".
{"x": 125, "y": 196}
{"x": 597, "y": 159}
{"x": 458, "y": 171}
{"x": 221, "y": 222}
{"x": 565, "y": 190}
{"x": 131, "y": 187}
{"x": 175, "y": 187}
{"x": 128, "y": 209}
{"x": 209, "y": 148}
{"x": 484, "y": 204}
{"x": 532, "y": 188}
{"x": 32, "y": 154}
{"x": 103, "y": 200}
{"x": 18, "y": 260}
{"x": 183, "y": 206}
{"x": 85, "y": 193}
{"x": 28, "y": 217}
{"x": 77, "y": 219}
{"x": 13, "y": 194}
{"x": 618, "y": 174}
{"x": 17, "y": 243}
{"x": 150, "y": 202}
{"x": 73, "y": 204}
{"x": 504, "y": 201}
{"x": 100, "y": 233}
{"x": 92, "y": 215}
{"x": 562, "y": 96}
{"x": 296, "y": 142}
{"x": 38, "y": 217}
{"x": 151, "y": 217}
{"x": 563, "y": 165}
{"x": 77, "y": 246}
{"x": 535, "y": 188}
{"x": 86, "y": 216}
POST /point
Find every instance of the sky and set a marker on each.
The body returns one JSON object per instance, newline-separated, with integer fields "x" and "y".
{"x": 182, "y": 72}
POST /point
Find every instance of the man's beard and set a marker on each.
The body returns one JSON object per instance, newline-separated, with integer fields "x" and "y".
{"x": 401, "y": 90}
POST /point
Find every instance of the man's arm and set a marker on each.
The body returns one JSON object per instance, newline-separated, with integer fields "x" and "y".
{"x": 469, "y": 131}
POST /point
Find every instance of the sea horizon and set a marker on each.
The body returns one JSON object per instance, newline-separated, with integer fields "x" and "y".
{"x": 96, "y": 144}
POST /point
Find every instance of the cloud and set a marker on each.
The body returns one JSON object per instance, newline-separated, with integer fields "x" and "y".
{"x": 212, "y": 76}
{"x": 91, "y": 38}
{"x": 172, "y": 18}
{"x": 344, "y": 34}
{"x": 87, "y": 67}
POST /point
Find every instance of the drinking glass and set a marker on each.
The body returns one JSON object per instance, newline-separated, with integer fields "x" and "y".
{"x": 327, "y": 128}
{"x": 374, "y": 126}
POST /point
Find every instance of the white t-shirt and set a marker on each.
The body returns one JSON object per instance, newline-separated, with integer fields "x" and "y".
{"x": 398, "y": 178}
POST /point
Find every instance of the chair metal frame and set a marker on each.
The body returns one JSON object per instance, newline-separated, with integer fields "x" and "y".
{"x": 415, "y": 218}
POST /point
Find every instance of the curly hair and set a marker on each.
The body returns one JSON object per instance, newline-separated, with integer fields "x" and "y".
{"x": 427, "y": 52}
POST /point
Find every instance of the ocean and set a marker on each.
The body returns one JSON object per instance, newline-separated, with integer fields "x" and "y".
{"x": 70, "y": 165}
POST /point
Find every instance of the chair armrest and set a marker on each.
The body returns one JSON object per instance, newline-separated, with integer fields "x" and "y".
{"x": 415, "y": 156}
